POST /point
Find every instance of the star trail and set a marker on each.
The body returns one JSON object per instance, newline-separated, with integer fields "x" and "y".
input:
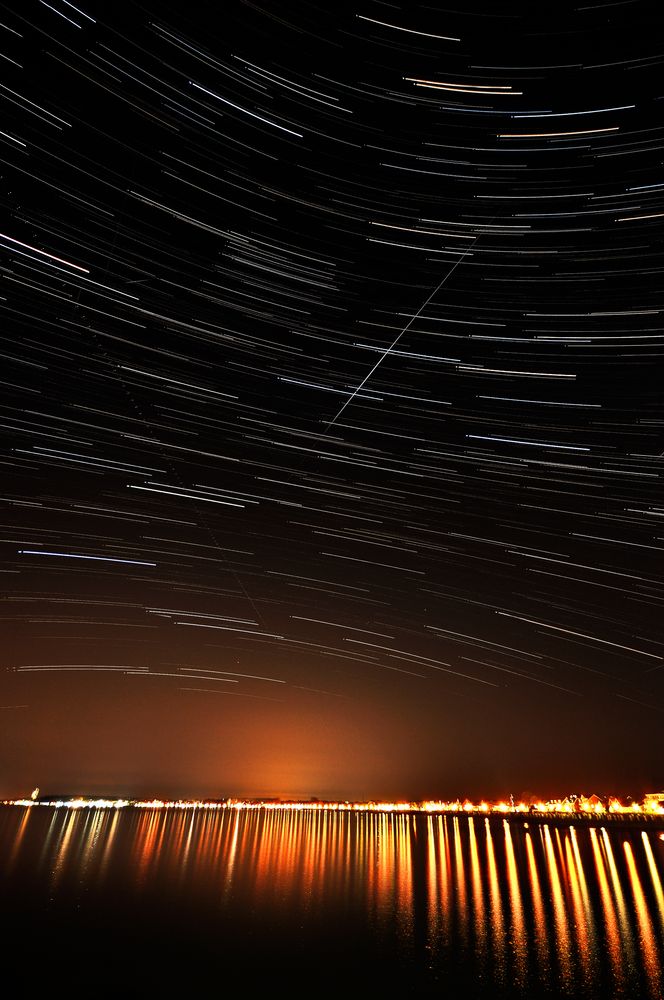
{"x": 331, "y": 345}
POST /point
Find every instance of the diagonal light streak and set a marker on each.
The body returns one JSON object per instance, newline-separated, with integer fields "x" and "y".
{"x": 400, "y": 335}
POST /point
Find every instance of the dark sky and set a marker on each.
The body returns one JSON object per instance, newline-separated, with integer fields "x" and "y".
{"x": 331, "y": 398}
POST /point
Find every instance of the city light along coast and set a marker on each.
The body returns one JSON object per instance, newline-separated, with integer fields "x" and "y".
{"x": 572, "y": 808}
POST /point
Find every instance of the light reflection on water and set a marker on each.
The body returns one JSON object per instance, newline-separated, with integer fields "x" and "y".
{"x": 503, "y": 907}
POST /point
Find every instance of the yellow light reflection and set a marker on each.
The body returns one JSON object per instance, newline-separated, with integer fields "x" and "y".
{"x": 610, "y": 919}
{"x": 648, "y": 945}
{"x": 654, "y": 875}
{"x": 497, "y": 918}
{"x": 18, "y": 839}
{"x": 460, "y": 881}
{"x": 581, "y": 877}
{"x": 581, "y": 915}
{"x": 147, "y": 843}
{"x": 478, "y": 894}
{"x": 403, "y": 862}
{"x": 560, "y": 918}
{"x": 433, "y": 899}
{"x": 621, "y": 909}
{"x": 541, "y": 934}
{"x": 519, "y": 936}
{"x": 439, "y": 899}
{"x": 109, "y": 843}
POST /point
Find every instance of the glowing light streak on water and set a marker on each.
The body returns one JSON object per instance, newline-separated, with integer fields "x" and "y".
{"x": 519, "y": 934}
{"x": 560, "y": 916}
{"x": 651, "y": 963}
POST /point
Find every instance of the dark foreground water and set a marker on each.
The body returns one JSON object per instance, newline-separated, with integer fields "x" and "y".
{"x": 240, "y": 902}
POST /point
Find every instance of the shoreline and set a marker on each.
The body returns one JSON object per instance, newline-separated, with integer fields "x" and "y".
{"x": 624, "y": 819}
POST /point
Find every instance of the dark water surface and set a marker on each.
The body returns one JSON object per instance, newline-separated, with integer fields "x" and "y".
{"x": 306, "y": 903}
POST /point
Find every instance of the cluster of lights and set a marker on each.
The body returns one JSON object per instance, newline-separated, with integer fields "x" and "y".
{"x": 77, "y": 803}
{"x": 574, "y": 805}
{"x": 569, "y": 806}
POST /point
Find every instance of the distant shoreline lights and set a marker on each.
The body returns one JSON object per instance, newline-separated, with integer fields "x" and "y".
{"x": 573, "y": 806}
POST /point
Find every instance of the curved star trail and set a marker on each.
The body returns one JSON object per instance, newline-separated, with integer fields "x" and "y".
{"x": 331, "y": 345}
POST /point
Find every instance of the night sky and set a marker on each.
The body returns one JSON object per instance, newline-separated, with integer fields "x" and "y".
{"x": 331, "y": 398}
